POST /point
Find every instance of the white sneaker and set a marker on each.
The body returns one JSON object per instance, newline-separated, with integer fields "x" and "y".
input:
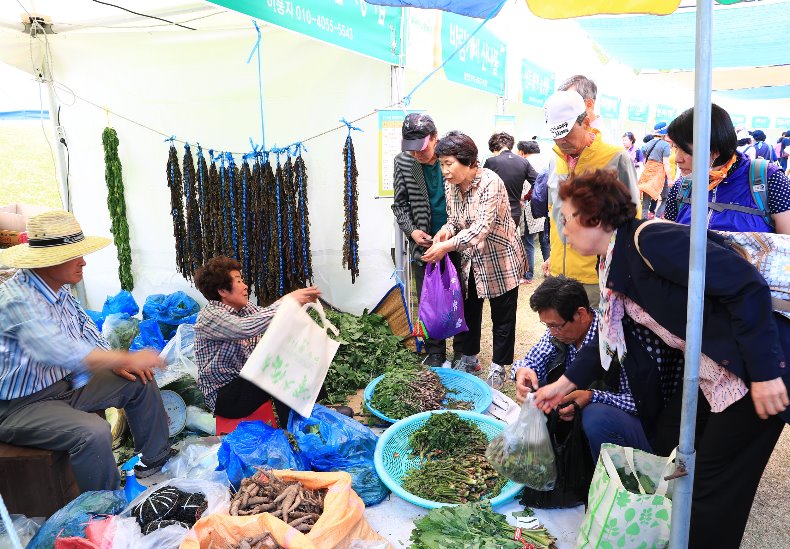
{"x": 496, "y": 376}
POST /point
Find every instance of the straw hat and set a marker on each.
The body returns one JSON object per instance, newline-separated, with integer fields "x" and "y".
{"x": 52, "y": 238}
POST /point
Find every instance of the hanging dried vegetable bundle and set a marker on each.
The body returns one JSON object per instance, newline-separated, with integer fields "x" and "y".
{"x": 300, "y": 177}
{"x": 289, "y": 216}
{"x": 249, "y": 263}
{"x": 116, "y": 203}
{"x": 175, "y": 182}
{"x": 278, "y": 227}
{"x": 351, "y": 225}
{"x": 203, "y": 185}
{"x": 228, "y": 219}
{"x": 270, "y": 191}
{"x": 194, "y": 233}
{"x": 214, "y": 208}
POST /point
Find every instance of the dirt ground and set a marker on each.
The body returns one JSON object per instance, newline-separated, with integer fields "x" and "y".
{"x": 768, "y": 523}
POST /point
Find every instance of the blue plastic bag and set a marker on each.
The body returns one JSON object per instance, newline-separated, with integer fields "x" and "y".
{"x": 330, "y": 441}
{"x": 71, "y": 520}
{"x": 170, "y": 311}
{"x": 150, "y": 337}
{"x": 96, "y": 317}
{"x": 255, "y": 444}
{"x": 122, "y": 302}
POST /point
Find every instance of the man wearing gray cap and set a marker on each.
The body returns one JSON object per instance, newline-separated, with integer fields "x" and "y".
{"x": 420, "y": 208}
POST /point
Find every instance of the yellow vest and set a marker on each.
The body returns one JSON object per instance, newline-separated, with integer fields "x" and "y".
{"x": 599, "y": 155}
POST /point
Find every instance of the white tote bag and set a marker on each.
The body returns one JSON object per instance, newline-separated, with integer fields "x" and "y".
{"x": 291, "y": 359}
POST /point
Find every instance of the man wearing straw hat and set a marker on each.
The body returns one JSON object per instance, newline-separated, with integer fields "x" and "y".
{"x": 56, "y": 368}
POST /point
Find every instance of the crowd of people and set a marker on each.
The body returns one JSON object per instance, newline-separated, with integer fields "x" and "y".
{"x": 613, "y": 301}
{"x": 614, "y": 298}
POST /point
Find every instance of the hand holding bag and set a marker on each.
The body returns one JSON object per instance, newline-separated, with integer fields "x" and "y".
{"x": 291, "y": 359}
{"x": 441, "y": 310}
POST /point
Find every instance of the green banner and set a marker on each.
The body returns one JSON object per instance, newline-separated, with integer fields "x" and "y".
{"x": 638, "y": 111}
{"x": 537, "y": 84}
{"x": 481, "y": 62}
{"x": 762, "y": 122}
{"x": 665, "y": 113}
{"x": 352, "y": 24}
{"x": 738, "y": 120}
{"x": 609, "y": 106}
{"x": 782, "y": 123}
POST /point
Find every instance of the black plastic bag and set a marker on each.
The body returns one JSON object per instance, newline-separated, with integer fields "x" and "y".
{"x": 574, "y": 466}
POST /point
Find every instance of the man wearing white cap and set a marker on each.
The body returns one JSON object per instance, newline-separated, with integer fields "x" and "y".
{"x": 56, "y": 368}
{"x": 578, "y": 149}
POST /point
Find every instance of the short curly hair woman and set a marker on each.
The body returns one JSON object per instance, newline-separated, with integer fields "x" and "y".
{"x": 643, "y": 276}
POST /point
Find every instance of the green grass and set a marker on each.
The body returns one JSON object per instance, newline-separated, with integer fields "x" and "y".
{"x": 27, "y": 168}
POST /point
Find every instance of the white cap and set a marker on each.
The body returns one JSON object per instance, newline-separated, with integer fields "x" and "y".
{"x": 561, "y": 111}
{"x": 743, "y": 134}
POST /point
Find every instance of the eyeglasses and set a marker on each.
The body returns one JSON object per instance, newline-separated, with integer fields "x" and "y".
{"x": 565, "y": 220}
{"x": 555, "y": 327}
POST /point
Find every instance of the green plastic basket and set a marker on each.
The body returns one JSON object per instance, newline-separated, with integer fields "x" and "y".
{"x": 466, "y": 386}
{"x": 393, "y": 458}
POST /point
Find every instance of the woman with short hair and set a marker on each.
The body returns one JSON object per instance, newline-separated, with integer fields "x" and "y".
{"x": 643, "y": 273}
{"x": 728, "y": 180}
{"x": 480, "y": 226}
{"x": 226, "y": 332}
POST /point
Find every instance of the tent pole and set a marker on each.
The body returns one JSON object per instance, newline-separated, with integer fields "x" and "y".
{"x": 681, "y": 502}
{"x": 61, "y": 144}
{"x": 397, "y": 74}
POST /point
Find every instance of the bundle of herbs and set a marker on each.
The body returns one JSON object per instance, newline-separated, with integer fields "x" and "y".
{"x": 447, "y": 434}
{"x": 455, "y": 479}
{"x": 406, "y": 391}
{"x": 474, "y": 525}
{"x": 368, "y": 349}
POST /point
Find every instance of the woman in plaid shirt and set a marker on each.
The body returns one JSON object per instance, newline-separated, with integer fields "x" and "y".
{"x": 480, "y": 226}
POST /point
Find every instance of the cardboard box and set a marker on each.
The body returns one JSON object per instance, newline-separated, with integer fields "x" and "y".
{"x": 13, "y": 217}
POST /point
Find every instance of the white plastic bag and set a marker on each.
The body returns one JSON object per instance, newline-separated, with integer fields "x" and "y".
{"x": 523, "y": 451}
{"x": 196, "y": 459}
{"x": 200, "y": 420}
{"x": 291, "y": 359}
{"x": 129, "y": 536}
{"x": 179, "y": 356}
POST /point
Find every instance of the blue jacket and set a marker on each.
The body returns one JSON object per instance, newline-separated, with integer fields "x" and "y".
{"x": 740, "y": 331}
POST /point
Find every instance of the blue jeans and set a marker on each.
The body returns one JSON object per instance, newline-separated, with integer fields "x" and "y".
{"x": 529, "y": 249}
{"x": 604, "y": 423}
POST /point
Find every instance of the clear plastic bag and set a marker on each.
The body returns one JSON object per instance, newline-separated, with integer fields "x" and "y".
{"x": 25, "y": 529}
{"x": 197, "y": 459}
{"x": 179, "y": 356}
{"x": 200, "y": 420}
{"x": 120, "y": 330}
{"x": 523, "y": 451}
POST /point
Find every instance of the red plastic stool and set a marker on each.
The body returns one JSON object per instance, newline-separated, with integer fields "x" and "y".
{"x": 265, "y": 414}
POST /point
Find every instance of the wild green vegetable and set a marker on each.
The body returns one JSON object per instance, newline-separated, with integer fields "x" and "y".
{"x": 116, "y": 203}
{"x": 455, "y": 479}
{"x": 630, "y": 483}
{"x": 472, "y": 525}
{"x": 407, "y": 391}
{"x": 447, "y": 434}
{"x": 368, "y": 349}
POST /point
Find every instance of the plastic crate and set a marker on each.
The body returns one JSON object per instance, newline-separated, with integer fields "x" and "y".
{"x": 468, "y": 387}
{"x": 393, "y": 457}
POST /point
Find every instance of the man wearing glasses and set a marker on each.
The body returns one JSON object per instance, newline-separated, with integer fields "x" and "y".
{"x": 564, "y": 308}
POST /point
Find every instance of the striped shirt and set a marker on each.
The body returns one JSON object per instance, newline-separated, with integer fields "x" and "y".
{"x": 224, "y": 339}
{"x": 44, "y": 336}
{"x": 483, "y": 230}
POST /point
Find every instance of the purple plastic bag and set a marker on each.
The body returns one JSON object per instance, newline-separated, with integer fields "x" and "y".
{"x": 441, "y": 309}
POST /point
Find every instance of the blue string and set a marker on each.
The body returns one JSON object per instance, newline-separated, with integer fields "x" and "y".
{"x": 303, "y": 222}
{"x": 202, "y": 193}
{"x": 231, "y": 175}
{"x": 279, "y": 219}
{"x": 257, "y": 49}
{"x": 244, "y": 248}
{"x": 171, "y": 139}
{"x": 288, "y": 199}
{"x": 407, "y": 98}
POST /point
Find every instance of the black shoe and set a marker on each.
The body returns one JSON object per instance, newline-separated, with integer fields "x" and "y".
{"x": 434, "y": 360}
{"x": 143, "y": 471}
{"x": 343, "y": 410}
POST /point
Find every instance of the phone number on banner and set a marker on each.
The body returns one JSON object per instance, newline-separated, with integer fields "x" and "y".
{"x": 305, "y": 16}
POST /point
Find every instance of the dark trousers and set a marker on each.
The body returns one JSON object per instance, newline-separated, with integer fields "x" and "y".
{"x": 240, "y": 398}
{"x": 438, "y": 346}
{"x": 59, "y": 418}
{"x": 503, "y": 318}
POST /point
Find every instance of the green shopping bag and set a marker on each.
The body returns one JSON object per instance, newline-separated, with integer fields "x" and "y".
{"x": 618, "y": 517}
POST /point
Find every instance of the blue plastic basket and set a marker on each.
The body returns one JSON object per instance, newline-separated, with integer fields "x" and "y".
{"x": 393, "y": 458}
{"x": 467, "y": 387}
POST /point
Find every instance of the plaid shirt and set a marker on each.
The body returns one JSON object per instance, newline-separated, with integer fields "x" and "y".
{"x": 44, "y": 336}
{"x": 224, "y": 339}
{"x": 483, "y": 230}
{"x": 544, "y": 352}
